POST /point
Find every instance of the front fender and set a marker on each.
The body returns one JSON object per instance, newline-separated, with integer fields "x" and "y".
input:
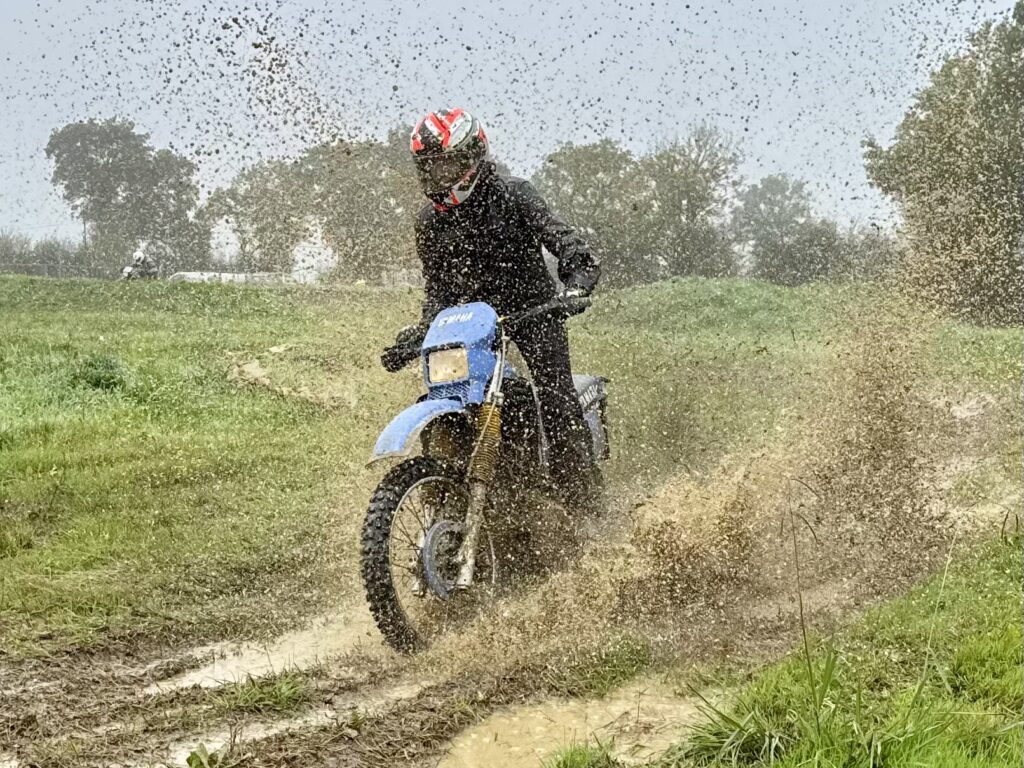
{"x": 399, "y": 437}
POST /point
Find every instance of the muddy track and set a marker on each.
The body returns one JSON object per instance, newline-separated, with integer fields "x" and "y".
{"x": 103, "y": 717}
{"x": 370, "y": 709}
{"x": 419, "y": 732}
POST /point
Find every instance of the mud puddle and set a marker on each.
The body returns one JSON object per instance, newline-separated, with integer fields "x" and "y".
{"x": 342, "y": 711}
{"x": 326, "y": 638}
{"x": 638, "y": 721}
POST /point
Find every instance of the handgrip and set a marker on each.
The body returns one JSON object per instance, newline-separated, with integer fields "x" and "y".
{"x": 395, "y": 358}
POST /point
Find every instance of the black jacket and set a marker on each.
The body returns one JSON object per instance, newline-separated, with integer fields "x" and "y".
{"x": 489, "y": 249}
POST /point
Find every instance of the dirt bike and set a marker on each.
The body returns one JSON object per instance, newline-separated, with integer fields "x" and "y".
{"x": 427, "y": 538}
{"x": 139, "y": 272}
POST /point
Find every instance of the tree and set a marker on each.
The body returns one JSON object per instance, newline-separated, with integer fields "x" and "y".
{"x": 690, "y": 183}
{"x": 267, "y": 207}
{"x": 598, "y": 188}
{"x": 652, "y": 217}
{"x": 869, "y": 254}
{"x": 57, "y": 257}
{"x": 360, "y": 197}
{"x": 956, "y": 169}
{"x": 125, "y": 191}
{"x": 15, "y": 252}
{"x": 366, "y": 199}
{"x": 783, "y": 240}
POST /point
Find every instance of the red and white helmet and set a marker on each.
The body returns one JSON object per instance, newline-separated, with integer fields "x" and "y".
{"x": 449, "y": 147}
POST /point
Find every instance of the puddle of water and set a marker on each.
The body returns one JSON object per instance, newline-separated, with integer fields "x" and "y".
{"x": 367, "y": 703}
{"x": 639, "y": 721}
{"x": 325, "y": 638}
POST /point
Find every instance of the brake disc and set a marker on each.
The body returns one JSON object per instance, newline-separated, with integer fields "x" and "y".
{"x": 439, "y": 556}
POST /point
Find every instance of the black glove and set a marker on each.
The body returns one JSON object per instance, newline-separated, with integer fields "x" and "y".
{"x": 575, "y": 299}
{"x": 394, "y": 359}
{"x": 405, "y": 349}
{"x": 411, "y": 336}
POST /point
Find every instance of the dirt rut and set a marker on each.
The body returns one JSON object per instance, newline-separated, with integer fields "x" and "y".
{"x": 340, "y": 715}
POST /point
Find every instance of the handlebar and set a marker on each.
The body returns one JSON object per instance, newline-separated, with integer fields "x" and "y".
{"x": 398, "y": 356}
{"x": 570, "y": 307}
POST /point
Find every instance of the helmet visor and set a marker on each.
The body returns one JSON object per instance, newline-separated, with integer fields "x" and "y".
{"x": 440, "y": 173}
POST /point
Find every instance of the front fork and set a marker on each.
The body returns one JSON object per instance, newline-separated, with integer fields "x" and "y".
{"x": 483, "y": 465}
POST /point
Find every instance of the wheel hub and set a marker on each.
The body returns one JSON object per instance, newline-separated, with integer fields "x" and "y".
{"x": 439, "y": 557}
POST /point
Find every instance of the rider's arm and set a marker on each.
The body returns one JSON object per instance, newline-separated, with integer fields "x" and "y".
{"x": 577, "y": 266}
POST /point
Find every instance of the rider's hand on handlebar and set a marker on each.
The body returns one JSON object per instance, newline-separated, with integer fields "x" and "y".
{"x": 394, "y": 359}
{"x": 407, "y": 343}
{"x": 575, "y": 300}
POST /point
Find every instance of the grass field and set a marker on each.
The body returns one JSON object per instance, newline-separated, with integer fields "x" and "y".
{"x": 148, "y": 494}
{"x": 184, "y": 463}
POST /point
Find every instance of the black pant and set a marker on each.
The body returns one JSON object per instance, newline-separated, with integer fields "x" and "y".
{"x": 544, "y": 345}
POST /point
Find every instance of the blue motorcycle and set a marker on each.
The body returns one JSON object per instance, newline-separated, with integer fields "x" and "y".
{"x": 473, "y": 437}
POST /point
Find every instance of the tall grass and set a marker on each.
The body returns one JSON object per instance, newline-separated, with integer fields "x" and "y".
{"x": 585, "y": 755}
{"x": 856, "y": 707}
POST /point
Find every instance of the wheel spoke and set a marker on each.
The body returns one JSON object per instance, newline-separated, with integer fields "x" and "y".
{"x": 420, "y": 512}
{"x": 405, "y": 533}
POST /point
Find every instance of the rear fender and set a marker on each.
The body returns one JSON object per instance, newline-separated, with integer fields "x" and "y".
{"x": 400, "y": 437}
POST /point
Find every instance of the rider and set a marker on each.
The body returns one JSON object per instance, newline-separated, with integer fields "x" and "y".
{"x": 480, "y": 239}
{"x": 143, "y": 264}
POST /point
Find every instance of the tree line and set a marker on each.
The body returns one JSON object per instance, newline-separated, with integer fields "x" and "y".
{"x": 955, "y": 170}
{"x": 678, "y": 210}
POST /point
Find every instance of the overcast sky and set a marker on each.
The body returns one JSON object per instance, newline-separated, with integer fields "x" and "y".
{"x": 797, "y": 83}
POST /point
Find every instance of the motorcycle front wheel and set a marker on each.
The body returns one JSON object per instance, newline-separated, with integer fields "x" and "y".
{"x": 420, "y": 503}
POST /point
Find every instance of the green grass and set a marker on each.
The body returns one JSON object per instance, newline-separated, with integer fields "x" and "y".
{"x": 143, "y": 493}
{"x": 978, "y": 356}
{"x": 201, "y": 757}
{"x": 584, "y": 756}
{"x": 283, "y": 692}
{"x": 932, "y": 678}
{"x": 596, "y": 673}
